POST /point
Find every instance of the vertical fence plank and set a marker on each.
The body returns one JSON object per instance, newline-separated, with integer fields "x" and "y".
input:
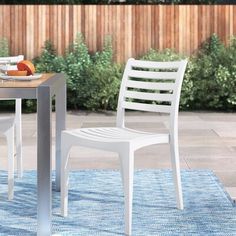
{"x": 29, "y": 32}
{"x": 234, "y": 19}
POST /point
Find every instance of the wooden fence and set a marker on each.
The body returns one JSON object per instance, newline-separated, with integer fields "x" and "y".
{"x": 134, "y": 28}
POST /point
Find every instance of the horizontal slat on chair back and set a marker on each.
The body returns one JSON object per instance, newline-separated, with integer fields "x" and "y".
{"x": 150, "y": 86}
{"x": 149, "y": 96}
{"x": 152, "y": 75}
{"x": 147, "y": 107}
{"x": 156, "y": 65}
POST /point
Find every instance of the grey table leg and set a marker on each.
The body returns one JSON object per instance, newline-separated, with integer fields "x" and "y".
{"x": 60, "y": 125}
{"x": 44, "y": 161}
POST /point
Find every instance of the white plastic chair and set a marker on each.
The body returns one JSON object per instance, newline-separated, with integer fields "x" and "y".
{"x": 146, "y": 86}
{"x": 9, "y": 63}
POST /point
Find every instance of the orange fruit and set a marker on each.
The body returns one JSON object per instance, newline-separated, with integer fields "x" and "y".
{"x": 26, "y": 65}
{"x": 17, "y": 73}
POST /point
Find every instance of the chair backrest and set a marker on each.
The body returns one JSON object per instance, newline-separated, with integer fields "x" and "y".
{"x": 151, "y": 86}
{"x": 6, "y": 62}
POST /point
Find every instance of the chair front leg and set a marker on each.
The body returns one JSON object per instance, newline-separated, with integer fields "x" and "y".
{"x": 121, "y": 157}
{"x": 65, "y": 148}
{"x": 10, "y": 146}
{"x": 174, "y": 151}
{"x": 127, "y": 167}
{"x": 18, "y": 127}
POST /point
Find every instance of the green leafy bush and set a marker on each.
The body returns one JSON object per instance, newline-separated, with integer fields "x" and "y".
{"x": 103, "y": 82}
{"x": 226, "y": 76}
{"x": 48, "y": 61}
{"x": 213, "y": 76}
{"x": 210, "y": 78}
{"x": 77, "y": 60}
{"x": 92, "y": 80}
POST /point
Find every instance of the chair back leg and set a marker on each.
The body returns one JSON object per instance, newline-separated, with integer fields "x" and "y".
{"x": 18, "y": 128}
{"x": 127, "y": 167}
{"x": 65, "y": 149}
{"x": 174, "y": 151}
{"x": 10, "y": 146}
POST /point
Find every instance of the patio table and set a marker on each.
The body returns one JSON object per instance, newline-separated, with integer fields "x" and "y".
{"x": 43, "y": 90}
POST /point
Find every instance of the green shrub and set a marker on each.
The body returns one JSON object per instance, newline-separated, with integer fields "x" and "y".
{"x": 48, "y": 61}
{"x": 210, "y": 79}
{"x": 165, "y": 55}
{"x": 77, "y": 60}
{"x": 226, "y": 76}
{"x": 92, "y": 80}
{"x": 103, "y": 82}
{"x": 213, "y": 76}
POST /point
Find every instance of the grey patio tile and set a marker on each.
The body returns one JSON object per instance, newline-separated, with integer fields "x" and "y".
{"x": 6, "y": 114}
{"x": 99, "y": 162}
{"x": 197, "y": 133}
{"x": 227, "y": 178}
{"x": 143, "y": 113}
{"x": 190, "y": 113}
{"x": 2, "y": 140}
{"x": 148, "y": 126}
{"x": 229, "y": 142}
{"x": 97, "y": 124}
{"x": 217, "y": 116}
{"x": 94, "y": 162}
{"x": 225, "y": 129}
{"x": 221, "y": 164}
{"x": 232, "y": 193}
{"x": 3, "y": 161}
{"x": 29, "y": 131}
{"x": 193, "y": 124}
{"x": 150, "y": 162}
{"x": 204, "y": 152}
{"x": 31, "y": 117}
{"x": 200, "y": 141}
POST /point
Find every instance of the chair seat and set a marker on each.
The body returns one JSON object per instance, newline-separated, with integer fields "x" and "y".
{"x": 118, "y": 135}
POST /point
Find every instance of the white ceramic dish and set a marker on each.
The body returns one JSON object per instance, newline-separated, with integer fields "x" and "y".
{"x": 24, "y": 78}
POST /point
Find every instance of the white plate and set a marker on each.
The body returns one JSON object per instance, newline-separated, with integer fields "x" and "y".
{"x": 24, "y": 78}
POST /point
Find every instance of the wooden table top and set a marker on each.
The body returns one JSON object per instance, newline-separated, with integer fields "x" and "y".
{"x": 25, "y": 84}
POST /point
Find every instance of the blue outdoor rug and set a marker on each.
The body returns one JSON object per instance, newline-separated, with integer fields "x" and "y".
{"x": 96, "y": 205}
